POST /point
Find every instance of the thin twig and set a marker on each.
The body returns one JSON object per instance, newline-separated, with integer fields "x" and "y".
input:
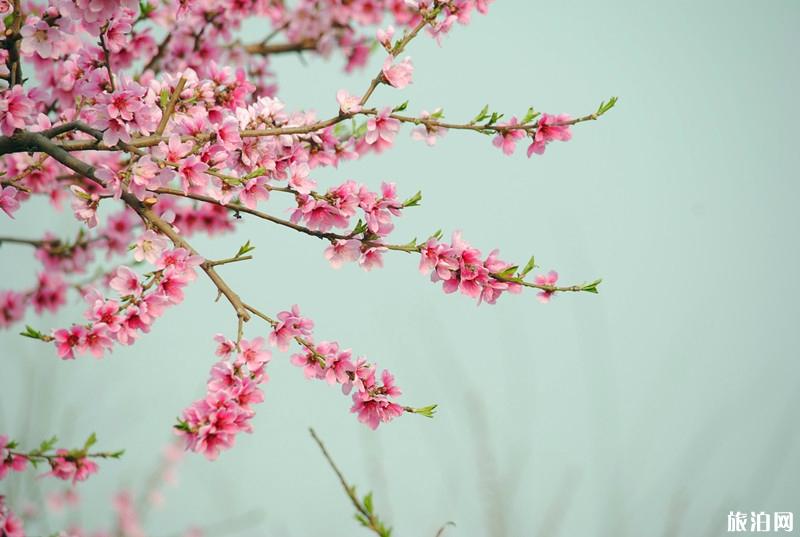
{"x": 170, "y": 108}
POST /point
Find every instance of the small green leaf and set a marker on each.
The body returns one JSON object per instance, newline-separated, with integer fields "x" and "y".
{"x": 494, "y": 119}
{"x": 164, "y": 97}
{"x": 182, "y": 425}
{"x": 606, "y": 106}
{"x": 360, "y": 228}
{"x": 92, "y": 440}
{"x": 244, "y": 249}
{"x": 529, "y": 266}
{"x": 509, "y": 272}
{"x": 32, "y": 333}
{"x": 592, "y": 287}
{"x": 414, "y": 200}
{"x": 362, "y": 519}
{"x": 368, "y": 503}
{"x": 529, "y": 116}
{"x": 427, "y": 411}
{"x": 483, "y": 114}
{"x": 400, "y": 107}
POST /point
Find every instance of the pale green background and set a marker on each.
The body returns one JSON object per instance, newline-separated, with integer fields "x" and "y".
{"x": 651, "y": 409}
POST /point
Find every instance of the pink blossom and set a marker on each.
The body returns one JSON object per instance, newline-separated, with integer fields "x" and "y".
{"x": 150, "y": 246}
{"x": 253, "y": 355}
{"x": 40, "y": 38}
{"x": 549, "y": 279}
{"x": 343, "y": 251}
{"x": 12, "y": 308}
{"x": 428, "y": 132}
{"x": 253, "y": 191}
{"x": 174, "y": 150}
{"x": 8, "y": 200}
{"x": 225, "y": 347}
{"x": 298, "y": 178}
{"x": 508, "y": 139}
{"x": 181, "y": 262}
{"x": 105, "y": 312}
{"x": 290, "y": 324}
{"x": 381, "y": 130}
{"x": 125, "y": 282}
{"x": 398, "y": 75}
{"x": 97, "y": 341}
{"x": 193, "y": 177}
{"x": 50, "y": 293}
{"x": 550, "y": 128}
{"x": 385, "y": 36}
{"x": 67, "y": 340}
{"x": 84, "y": 205}
{"x": 372, "y": 258}
{"x": 16, "y": 109}
{"x": 348, "y": 104}
{"x": 117, "y": 35}
{"x": 10, "y": 524}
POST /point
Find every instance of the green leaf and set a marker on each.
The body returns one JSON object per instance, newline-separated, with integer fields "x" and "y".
{"x": 46, "y": 445}
{"x": 592, "y": 287}
{"x": 606, "y": 106}
{"x": 438, "y": 114}
{"x": 362, "y": 519}
{"x": 244, "y": 249}
{"x": 32, "y": 333}
{"x": 361, "y": 227}
{"x": 414, "y": 200}
{"x": 509, "y": 272}
{"x": 117, "y": 454}
{"x": 368, "y": 502}
{"x": 427, "y": 411}
{"x": 164, "y": 98}
{"x": 400, "y": 107}
{"x": 529, "y": 116}
{"x": 92, "y": 440}
{"x": 483, "y": 114}
{"x": 182, "y": 425}
{"x": 495, "y": 118}
{"x": 529, "y": 266}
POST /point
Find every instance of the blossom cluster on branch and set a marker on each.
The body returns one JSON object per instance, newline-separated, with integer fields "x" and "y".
{"x": 160, "y": 109}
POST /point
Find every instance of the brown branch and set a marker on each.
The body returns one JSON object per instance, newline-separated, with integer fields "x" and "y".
{"x": 152, "y": 218}
{"x": 265, "y": 49}
{"x": 106, "y": 57}
{"x": 160, "y": 51}
{"x": 170, "y": 108}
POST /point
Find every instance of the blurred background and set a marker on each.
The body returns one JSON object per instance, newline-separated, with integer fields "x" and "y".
{"x": 654, "y": 408}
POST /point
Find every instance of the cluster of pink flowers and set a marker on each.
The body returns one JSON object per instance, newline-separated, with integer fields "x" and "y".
{"x": 139, "y": 304}
{"x": 337, "y": 208}
{"x": 71, "y": 466}
{"x": 459, "y": 266}
{"x": 211, "y": 424}
{"x": 372, "y": 400}
{"x": 548, "y": 128}
{"x": 8, "y": 461}
{"x": 10, "y": 524}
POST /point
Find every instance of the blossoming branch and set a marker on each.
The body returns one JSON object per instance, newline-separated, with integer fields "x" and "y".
{"x": 183, "y": 134}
